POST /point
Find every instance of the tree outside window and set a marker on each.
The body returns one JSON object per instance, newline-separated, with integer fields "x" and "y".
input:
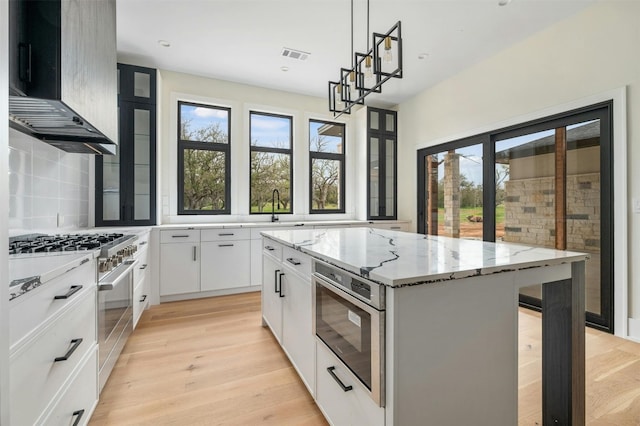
{"x": 327, "y": 167}
{"x": 203, "y": 159}
{"x": 271, "y": 138}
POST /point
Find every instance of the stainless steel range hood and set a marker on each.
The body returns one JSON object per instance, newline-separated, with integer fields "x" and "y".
{"x": 63, "y": 73}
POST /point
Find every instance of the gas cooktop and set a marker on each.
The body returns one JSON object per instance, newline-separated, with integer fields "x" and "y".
{"x": 42, "y": 243}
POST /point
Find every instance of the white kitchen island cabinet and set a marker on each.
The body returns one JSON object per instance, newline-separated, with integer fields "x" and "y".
{"x": 451, "y": 327}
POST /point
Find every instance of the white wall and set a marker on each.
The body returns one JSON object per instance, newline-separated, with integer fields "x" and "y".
{"x": 4, "y": 214}
{"x": 591, "y": 53}
{"x": 48, "y": 188}
{"x": 242, "y": 99}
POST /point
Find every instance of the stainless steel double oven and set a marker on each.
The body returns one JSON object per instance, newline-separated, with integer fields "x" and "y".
{"x": 349, "y": 318}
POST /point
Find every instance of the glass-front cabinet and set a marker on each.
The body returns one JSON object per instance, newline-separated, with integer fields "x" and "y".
{"x": 381, "y": 164}
{"x": 125, "y": 182}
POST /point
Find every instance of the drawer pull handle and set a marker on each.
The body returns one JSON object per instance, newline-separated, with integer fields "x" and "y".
{"x": 293, "y": 261}
{"x": 72, "y": 290}
{"x": 225, "y": 245}
{"x": 280, "y": 275}
{"x": 395, "y": 227}
{"x": 179, "y": 236}
{"x": 78, "y": 415}
{"x": 269, "y": 248}
{"x": 144, "y": 297}
{"x": 344, "y": 388}
{"x": 143, "y": 243}
{"x": 74, "y": 345}
{"x": 195, "y": 256}
{"x": 228, "y": 234}
{"x": 144, "y": 266}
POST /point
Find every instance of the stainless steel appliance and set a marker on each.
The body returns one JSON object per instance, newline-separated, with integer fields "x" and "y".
{"x": 115, "y": 283}
{"x": 349, "y": 318}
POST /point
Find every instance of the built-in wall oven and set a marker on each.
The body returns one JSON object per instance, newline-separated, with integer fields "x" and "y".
{"x": 349, "y": 318}
{"x": 115, "y": 304}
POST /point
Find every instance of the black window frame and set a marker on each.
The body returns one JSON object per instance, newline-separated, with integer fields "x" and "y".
{"x": 382, "y": 135}
{"x": 317, "y": 155}
{"x": 204, "y": 146}
{"x": 602, "y": 111}
{"x": 254, "y": 148}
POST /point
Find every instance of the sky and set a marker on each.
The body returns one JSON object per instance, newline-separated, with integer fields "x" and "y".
{"x": 200, "y": 117}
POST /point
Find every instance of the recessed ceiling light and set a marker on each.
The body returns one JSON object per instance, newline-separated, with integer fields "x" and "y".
{"x": 423, "y": 55}
{"x": 284, "y": 68}
{"x": 504, "y": 2}
{"x": 164, "y": 43}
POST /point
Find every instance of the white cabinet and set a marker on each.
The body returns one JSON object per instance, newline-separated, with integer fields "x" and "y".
{"x": 286, "y": 306}
{"x": 341, "y": 397}
{"x": 141, "y": 279}
{"x": 225, "y": 264}
{"x": 394, "y": 226}
{"x": 179, "y": 262}
{"x": 42, "y": 365}
{"x": 226, "y": 258}
{"x": 271, "y": 300}
{"x": 297, "y": 334}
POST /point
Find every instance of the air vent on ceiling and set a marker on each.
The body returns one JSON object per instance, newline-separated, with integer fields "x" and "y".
{"x": 295, "y": 54}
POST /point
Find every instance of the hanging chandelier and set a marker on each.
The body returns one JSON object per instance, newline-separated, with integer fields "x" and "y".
{"x": 368, "y": 71}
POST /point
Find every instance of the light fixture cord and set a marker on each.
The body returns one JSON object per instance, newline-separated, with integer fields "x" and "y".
{"x": 367, "y": 27}
{"x": 353, "y": 63}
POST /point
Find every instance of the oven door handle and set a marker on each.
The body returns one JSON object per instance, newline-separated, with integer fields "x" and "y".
{"x": 122, "y": 272}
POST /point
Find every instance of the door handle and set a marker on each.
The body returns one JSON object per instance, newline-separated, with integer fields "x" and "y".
{"x": 72, "y": 349}
{"x": 280, "y": 275}
{"x": 337, "y": 379}
{"x": 72, "y": 290}
{"x": 78, "y": 415}
{"x": 194, "y": 254}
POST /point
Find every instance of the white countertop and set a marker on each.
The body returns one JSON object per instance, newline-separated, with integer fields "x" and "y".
{"x": 29, "y": 271}
{"x": 279, "y": 224}
{"x": 397, "y": 258}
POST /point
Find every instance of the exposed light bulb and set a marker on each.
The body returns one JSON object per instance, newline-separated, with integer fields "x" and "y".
{"x": 352, "y": 83}
{"x": 368, "y": 69}
{"x": 338, "y": 95}
{"x": 387, "y": 56}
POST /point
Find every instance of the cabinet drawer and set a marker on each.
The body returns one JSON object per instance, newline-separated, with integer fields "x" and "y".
{"x": 180, "y": 236}
{"x": 139, "y": 271}
{"x": 296, "y": 260}
{"x": 272, "y": 248}
{"x": 79, "y": 398}
{"x": 35, "y": 375}
{"x": 225, "y": 264}
{"x": 143, "y": 240}
{"x": 230, "y": 234}
{"x": 31, "y": 309}
{"x": 140, "y": 299}
{"x": 353, "y": 407}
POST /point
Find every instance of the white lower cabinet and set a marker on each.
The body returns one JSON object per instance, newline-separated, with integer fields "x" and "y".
{"x": 353, "y": 407}
{"x": 78, "y": 398}
{"x": 271, "y": 300}
{"x": 179, "y": 268}
{"x": 225, "y": 264}
{"x": 41, "y": 366}
{"x": 297, "y": 333}
{"x": 286, "y": 308}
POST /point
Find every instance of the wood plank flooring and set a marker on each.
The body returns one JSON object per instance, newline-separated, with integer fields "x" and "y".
{"x": 210, "y": 362}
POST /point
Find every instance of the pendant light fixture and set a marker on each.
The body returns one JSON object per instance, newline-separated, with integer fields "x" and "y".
{"x": 369, "y": 71}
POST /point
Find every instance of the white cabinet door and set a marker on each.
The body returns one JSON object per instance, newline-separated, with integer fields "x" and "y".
{"x": 225, "y": 264}
{"x": 179, "y": 268}
{"x": 297, "y": 337}
{"x": 271, "y": 300}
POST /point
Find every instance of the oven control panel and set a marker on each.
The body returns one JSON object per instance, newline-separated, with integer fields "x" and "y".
{"x": 345, "y": 280}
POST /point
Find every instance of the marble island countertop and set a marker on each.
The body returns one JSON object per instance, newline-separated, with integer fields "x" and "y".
{"x": 30, "y": 271}
{"x": 398, "y": 259}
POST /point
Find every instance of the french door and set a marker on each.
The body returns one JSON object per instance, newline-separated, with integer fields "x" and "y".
{"x": 546, "y": 183}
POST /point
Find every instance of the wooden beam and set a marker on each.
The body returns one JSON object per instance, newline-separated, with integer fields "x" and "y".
{"x": 561, "y": 188}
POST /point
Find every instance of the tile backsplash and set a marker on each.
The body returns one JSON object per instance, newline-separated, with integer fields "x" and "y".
{"x": 48, "y": 188}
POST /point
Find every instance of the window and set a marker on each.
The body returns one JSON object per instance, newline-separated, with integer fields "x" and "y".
{"x": 326, "y": 163}
{"x": 381, "y": 164}
{"x": 271, "y": 138}
{"x": 203, "y": 159}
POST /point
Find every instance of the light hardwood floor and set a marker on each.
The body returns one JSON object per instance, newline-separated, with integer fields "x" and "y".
{"x": 209, "y": 362}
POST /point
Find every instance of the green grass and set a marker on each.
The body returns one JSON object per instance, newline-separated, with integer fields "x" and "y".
{"x": 473, "y": 211}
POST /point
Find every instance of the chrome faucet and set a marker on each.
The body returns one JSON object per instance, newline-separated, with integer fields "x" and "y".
{"x": 273, "y": 210}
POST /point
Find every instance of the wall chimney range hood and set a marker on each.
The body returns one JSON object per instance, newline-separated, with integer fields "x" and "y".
{"x": 63, "y": 73}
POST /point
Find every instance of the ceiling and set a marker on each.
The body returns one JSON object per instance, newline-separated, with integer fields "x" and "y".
{"x": 242, "y": 40}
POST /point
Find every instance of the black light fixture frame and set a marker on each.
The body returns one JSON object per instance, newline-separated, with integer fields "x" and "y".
{"x": 381, "y": 77}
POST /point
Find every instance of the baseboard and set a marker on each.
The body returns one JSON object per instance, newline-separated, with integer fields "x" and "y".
{"x": 212, "y": 293}
{"x": 634, "y": 329}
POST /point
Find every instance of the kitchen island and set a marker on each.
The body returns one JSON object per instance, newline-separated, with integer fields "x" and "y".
{"x": 451, "y": 323}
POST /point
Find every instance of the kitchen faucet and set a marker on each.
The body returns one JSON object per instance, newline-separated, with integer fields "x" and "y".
{"x": 273, "y": 210}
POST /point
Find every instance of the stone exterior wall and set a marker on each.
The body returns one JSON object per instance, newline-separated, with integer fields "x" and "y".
{"x": 530, "y": 212}
{"x": 452, "y": 195}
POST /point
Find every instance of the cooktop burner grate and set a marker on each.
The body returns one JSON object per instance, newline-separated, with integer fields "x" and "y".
{"x": 42, "y": 243}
